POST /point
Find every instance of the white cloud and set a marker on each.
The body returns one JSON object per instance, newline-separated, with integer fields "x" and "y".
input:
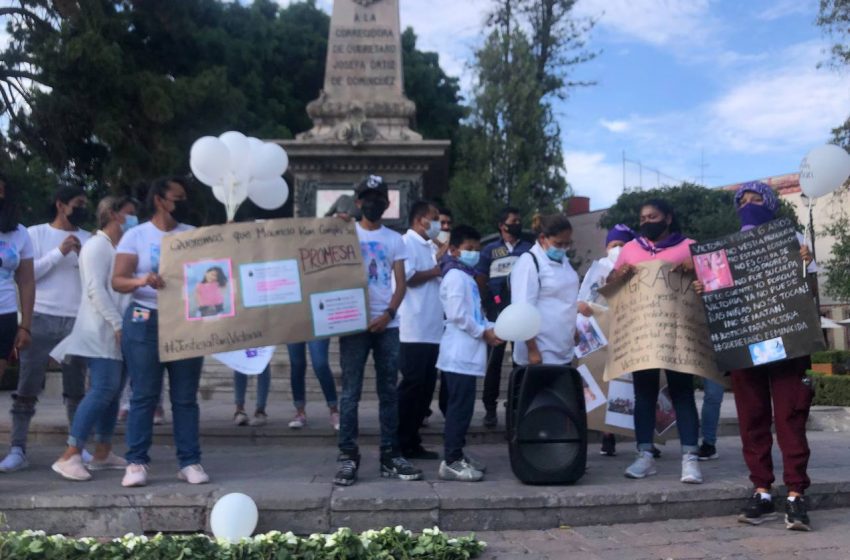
{"x": 590, "y": 175}
{"x": 615, "y": 126}
{"x": 784, "y": 8}
{"x": 658, "y": 22}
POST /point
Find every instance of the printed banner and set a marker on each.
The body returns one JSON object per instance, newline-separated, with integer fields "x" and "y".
{"x": 759, "y": 307}
{"x": 657, "y": 321}
{"x": 249, "y": 285}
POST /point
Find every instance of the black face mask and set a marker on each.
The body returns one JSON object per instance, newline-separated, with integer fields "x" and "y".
{"x": 653, "y": 230}
{"x": 514, "y": 230}
{"x": 373, "y": 209}
{"x": 79, "y": 216}
{"x": 181, "y": 210}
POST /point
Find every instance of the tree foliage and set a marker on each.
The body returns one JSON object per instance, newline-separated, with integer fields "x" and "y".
{"x": 703, "y": 213}
{"x": 511, "y": 151}
{"x": 834, "y": 19}
{"x": 119, "y": 89}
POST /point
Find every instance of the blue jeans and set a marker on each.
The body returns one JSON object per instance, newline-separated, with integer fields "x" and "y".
{"x": 353, "y": 352}
{"x": 321, "y": 365}
{"x": 240, "y": 386}
{"x": 459, "y": 409}
{"x": 139, "y": 343}
{"x": 711, "y": 410}
{"x": 681, "y": 387}
{"x": 99, "y": 408}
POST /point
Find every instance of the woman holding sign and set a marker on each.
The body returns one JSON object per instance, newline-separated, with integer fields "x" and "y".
{"x": 660, "y": 238}
{"x": 137, "y": 272}
{"x": 778, "y": 390}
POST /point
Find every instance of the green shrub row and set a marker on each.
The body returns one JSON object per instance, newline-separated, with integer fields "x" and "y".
{"x": 831, "y": 357}
{"x": 831, "y": 390}
{"x": 386, "y": 544}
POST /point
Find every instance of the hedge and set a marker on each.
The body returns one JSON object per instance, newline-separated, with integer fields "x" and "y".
{"x": 831, "y": 357}
{"x": 831, "y": 390}
{"x": 386, "y": 544}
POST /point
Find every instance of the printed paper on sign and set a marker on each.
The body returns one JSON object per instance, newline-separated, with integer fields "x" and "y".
{"x": 338, "y": 312}
{"x": 621, "y": 405}
{"x": 251, "y": 361}
{"x": 590, "y": 337}
{"x": 270, "y": 283}
{"x": 594, "y": 397}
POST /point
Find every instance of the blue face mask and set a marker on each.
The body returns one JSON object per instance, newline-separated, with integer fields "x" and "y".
{"x": 556, "y": 254}
{"x": 752, "y": 215}
{"x": 469, "y": 258}
{"x": 130, "y": 221}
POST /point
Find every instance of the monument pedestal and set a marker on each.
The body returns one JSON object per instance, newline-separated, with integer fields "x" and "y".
{"x": 361, "y": 118}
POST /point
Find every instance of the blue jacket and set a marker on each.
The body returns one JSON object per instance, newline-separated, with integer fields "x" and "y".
{"x": 496, "y": 264}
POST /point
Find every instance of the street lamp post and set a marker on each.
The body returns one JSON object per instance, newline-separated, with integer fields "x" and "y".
{"x": 811, "y": 231}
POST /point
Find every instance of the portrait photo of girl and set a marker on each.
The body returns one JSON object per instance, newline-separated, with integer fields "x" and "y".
{"x": 209, "y": 291}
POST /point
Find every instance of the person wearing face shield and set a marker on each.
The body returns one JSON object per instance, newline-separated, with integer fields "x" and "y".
{"x": 56, "y": 246}
{"x": 420, "y": 328}
{"x": 778, "y": 393}
{"x": 660, "y": 239}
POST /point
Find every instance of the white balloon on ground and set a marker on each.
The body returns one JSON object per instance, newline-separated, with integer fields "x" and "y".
{"x": 823, "y": 170}
{"x": 269, "y": 194}
{"x": 234, "y": 517}
{"x": 518, "y": 322}
{"x": 251, "y": 361}
{"x": 240, "y": 155}
{"x": 209, "y": 159}
{"x": 269, "y": 161}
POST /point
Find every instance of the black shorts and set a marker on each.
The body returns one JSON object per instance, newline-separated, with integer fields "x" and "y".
{"x": 8, "y": 332}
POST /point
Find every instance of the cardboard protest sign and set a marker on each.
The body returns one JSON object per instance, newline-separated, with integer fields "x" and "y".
{"x": 759, "y": 307}
{"x": 257, "y": 284}
{"x": 657, "y": 321}
{"x": 610, "y": 405}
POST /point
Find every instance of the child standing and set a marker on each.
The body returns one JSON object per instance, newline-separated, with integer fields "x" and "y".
{"x": 463, "y": 350}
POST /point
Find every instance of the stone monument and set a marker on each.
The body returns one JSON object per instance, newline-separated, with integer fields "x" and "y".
{"x": 361, "y": 119}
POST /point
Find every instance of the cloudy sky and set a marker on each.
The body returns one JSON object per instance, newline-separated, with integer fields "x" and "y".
{"x": 713, "y": 90}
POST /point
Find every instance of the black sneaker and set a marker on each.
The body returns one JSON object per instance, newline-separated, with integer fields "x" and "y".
{"x": 396, "y": 466}
{"x": 757, "y": 511}
{"x": 796, "y": 516}
{"x": 609, "y": 445}
{"x": 420, "y": 453}
{"x": 346, "y": 469}
{"x": 656, "y": 453}
{"x": 707, "y": 452}
{"x": 491, "y": 419}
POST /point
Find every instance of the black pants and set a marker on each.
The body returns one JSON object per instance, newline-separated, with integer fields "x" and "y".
{"x": 418, "y": 365}
{"x": 493, "y": 377}
{"x": 461, "y": 403}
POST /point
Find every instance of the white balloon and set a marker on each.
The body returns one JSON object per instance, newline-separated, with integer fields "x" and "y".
{"x": 518, "y": 322}
{"x": 269, "y": 194}
{"x": 209, "y": 159}
{"x": 823, "y": 170}
{"x": 269, "y": 161}
{"x": 240, "y": 155}
{"x": 234, "y": 517}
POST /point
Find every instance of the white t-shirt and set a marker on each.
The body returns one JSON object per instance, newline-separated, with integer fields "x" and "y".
{"x": 381, "y": 249}
{"x": 144, "y": 241}
{"x": 57, "y": 276}
{"x": 421, "y": 313}
{"x": 15, "y": 246}
{"x": 462, "y": 347}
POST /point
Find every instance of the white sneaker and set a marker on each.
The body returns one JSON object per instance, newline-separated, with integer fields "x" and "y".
{"x": 193, "y": 474}
{"x": 14, "y": 461}
{"x": 459, "y": 470}
{"x": 691, "y": 473}
{"x": 643, "y": 466}
{"x": 112, "y": 461}
{"x": 135, "y": 475}
{"x": 335, "y": 421}
{"x": 71, "y": 469}
{"x": 298, "y": 421}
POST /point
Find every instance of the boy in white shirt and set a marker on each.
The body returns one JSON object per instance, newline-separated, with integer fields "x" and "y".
{"x": 463, "y": 350}
{"x": 420, "y": 329}
{"x": 383, "y": 257}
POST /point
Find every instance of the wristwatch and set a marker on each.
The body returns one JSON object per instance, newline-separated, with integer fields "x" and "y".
{"x": 391, "y": 312}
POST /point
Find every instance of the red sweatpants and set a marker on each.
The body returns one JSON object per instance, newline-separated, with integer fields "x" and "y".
{"x": 783, "y": 383}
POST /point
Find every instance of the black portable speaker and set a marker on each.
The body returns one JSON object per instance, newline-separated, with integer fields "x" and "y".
{"x": 546, "y": 424}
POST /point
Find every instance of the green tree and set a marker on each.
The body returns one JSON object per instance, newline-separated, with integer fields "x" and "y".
{"x": 834, "y": 19}
{"x": 703, "y": 213}
{"x": 838, "y": 264}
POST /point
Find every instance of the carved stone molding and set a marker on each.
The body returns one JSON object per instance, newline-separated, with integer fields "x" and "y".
{"x": 365, "y": 3}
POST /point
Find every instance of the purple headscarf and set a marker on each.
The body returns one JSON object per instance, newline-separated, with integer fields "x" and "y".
{"x": 619, "y": 232}
{"x": 771, "y": 202}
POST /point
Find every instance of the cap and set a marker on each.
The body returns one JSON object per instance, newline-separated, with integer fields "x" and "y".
{"x": 372, "y": 183}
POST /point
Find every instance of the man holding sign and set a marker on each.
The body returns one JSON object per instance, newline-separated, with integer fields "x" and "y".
{"x": 764, "y": 325}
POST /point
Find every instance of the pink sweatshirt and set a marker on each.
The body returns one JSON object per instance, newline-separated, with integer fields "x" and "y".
{"x": 633, "y": 253}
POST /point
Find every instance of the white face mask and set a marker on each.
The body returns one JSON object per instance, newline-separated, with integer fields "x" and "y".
{"x": 434, "y": 229}
{"x": 614, "y": 254}
{"x": 443, "y": 237}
